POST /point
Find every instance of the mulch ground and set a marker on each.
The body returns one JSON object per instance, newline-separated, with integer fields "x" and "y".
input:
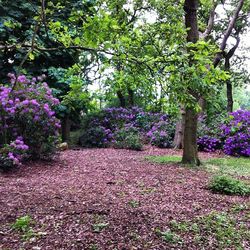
{"x": 103, "y": 199}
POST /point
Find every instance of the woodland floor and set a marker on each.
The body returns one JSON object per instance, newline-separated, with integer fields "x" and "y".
{"x": 106, "y": 199}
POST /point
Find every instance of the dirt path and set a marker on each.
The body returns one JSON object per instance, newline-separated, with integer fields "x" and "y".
{"x": 102, "y": 199}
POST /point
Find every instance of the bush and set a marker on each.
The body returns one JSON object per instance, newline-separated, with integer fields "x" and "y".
{"x": 29, "y": 123}
{"x": 96, "y": 137}
{"x": 209, "y": 139}
{"x": 161, "y": 134}
{"x": 208, "y": 144}
{"x": 12, "y": 154}
{"x": 101, "y": 128}
{"x": 236, "y": 134}
{"x": 228, "y": 185}
{"x": 128, "y": 138}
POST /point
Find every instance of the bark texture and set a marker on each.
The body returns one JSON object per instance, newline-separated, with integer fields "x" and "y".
{"x": 121, "y": 98}
{"x": 229, "y": 87}
{"x": 131, "y": 98}
{"x": 179, "y": 131}
{"x": 228, "y": 56}
{"x": 66, "y": 125}
{"x": 190, "y": 151}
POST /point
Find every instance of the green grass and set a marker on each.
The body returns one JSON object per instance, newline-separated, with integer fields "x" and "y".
{"x": 165, "y": 159}
{"x": 227, "y": 165}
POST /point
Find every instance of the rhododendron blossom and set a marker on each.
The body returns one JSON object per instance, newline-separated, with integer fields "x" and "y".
{"x": 28, "y": 123}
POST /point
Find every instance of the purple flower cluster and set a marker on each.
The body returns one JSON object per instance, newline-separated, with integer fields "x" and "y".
{"x": 208, "y": 144}
{"x": 236, "y": 134}
{"x": 13, "y": 153}
{"x": 162, "y": 133}
{"x": 26, "y": 108}
{"x": 101, "y": 128}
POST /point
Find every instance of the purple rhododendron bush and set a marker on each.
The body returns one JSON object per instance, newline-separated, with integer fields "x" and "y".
{"x": 230, "y": 134}
{"x": 28, "y": 125}
{"x": 236, "y": 134}
{"x": 132, "y": 127}
{"x": 127, "y": 126}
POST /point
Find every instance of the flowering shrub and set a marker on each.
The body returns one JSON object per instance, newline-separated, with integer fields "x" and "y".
{"x": 128, "y": 138}
{"x": 236, "y": 134}
{"x": 161, "y": 134}
{"x": 13, "y": 153}
{"x": 28, "y": 122}
{"x": 208, "y": 144}
{"x": 104, "y": 128}
{"x": 209, "y": 139}
{"x": 97, "y": 136}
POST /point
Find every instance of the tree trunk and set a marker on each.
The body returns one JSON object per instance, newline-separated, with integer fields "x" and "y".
{"x": 203, "y": 105}
{"x": 190, "y": 151}
{"x": 66, "y": 125}
{"x": 179, "y": 131}
{"x": 121, "y": 98}
{"x": 131, "y": 101}
{"x": 229, "y": 84}
{"x": 230, "y": 101}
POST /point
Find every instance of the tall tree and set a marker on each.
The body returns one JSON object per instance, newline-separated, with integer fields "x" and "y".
{"x": 190, "y": 151}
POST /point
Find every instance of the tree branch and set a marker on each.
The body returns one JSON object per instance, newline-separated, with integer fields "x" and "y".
{"x": 32, "y": 47}
{"x": 210, "y": 23}
{"x": 228, "y": 33}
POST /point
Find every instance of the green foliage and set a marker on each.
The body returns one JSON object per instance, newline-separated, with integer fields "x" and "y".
{"x": 179, "y": 226}
{"x": 97, "y": 228}
{"x": 22, "y": 223}
{"x": 128, "y": 139}
{"x": 227, "y": 185}
{"x": 93, "y": 137}
{"x": 168, "y": 236}
{"x": 24, "y": 226}
{"x": 134, "y": 203}
{"x": 216, "y": 230}
{"x": 225, "y": 228}
{"x": 71, "y": 89}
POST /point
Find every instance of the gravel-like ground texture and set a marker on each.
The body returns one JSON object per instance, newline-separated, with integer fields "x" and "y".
{"x": 103, "y": 199}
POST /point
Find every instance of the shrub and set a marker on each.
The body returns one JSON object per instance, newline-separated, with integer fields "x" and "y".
{"x": 96, "y": 137}
{"x": 128, "y": 138}
{"x": 12, "y": 154}
{"x": 208, "y": 144}
{"x": 28, "y": 119}
{"x": 236, "y": 134}
{"x": 227, "y": 185}
{"x": 209, "y": 133}
{"x": 161, "y": 134}
{"x": 100, "y": 128}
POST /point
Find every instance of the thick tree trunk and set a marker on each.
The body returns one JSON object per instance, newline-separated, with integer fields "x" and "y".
{"x": 121, "y": 98}
{"x": 66, "y": 125}
{"x": 190, "y": 151}
{"x": 131, "y": 100}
